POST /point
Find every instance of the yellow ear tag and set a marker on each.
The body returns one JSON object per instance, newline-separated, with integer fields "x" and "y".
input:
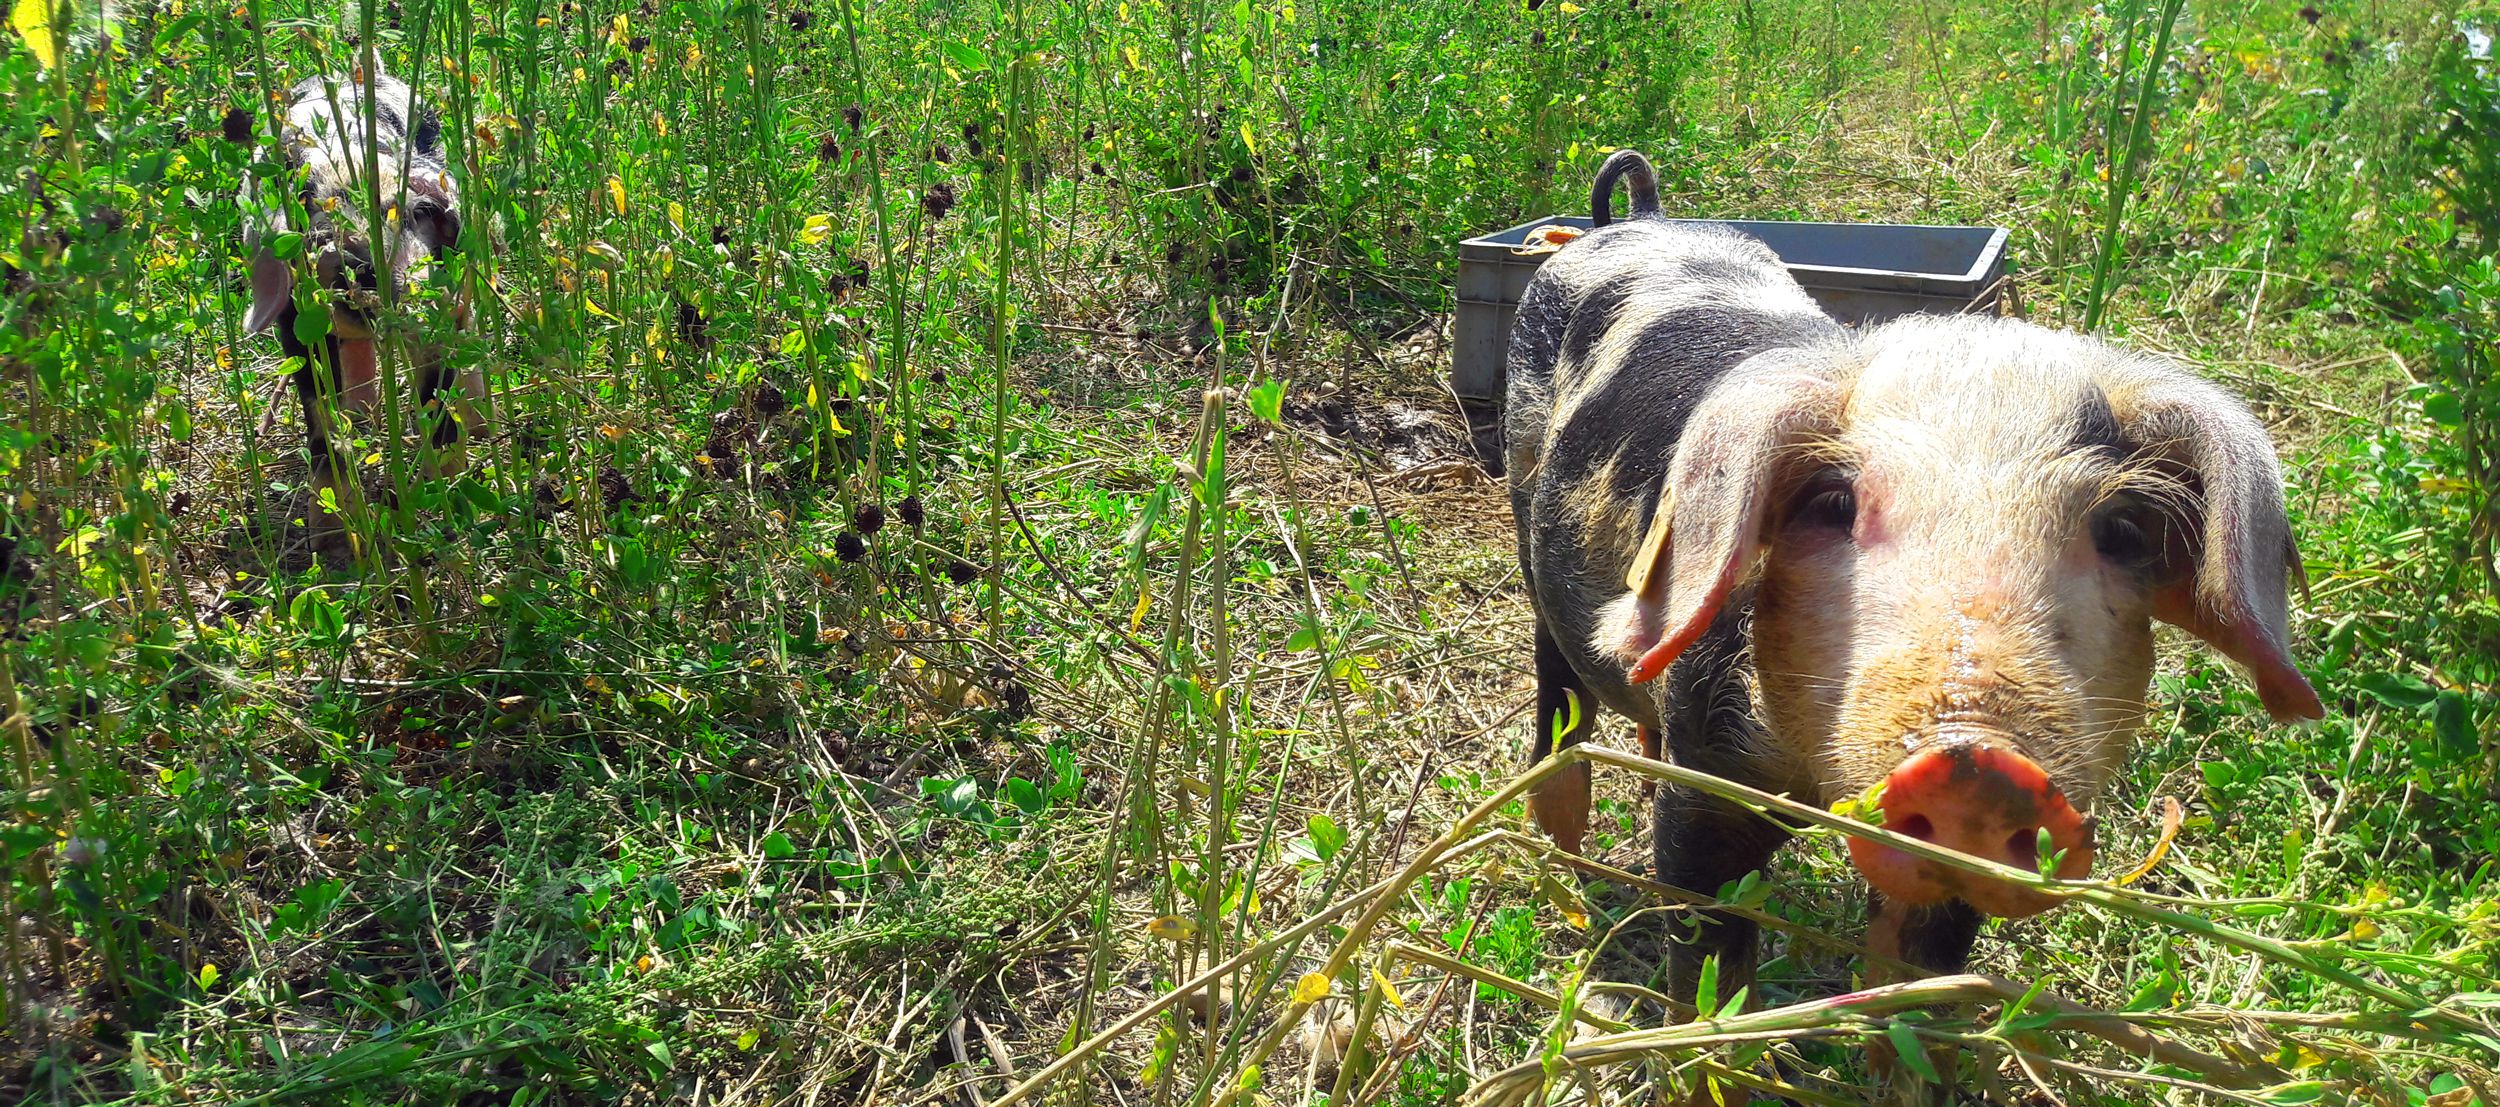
{"x": 1653, "y": 553}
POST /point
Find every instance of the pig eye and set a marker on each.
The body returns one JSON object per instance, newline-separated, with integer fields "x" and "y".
{"x": 2125, "y": 538}
{"x": 1828, "y": 502}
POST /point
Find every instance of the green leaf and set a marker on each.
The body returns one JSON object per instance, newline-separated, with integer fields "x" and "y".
{"x": 312, "y": 612}
{"x": 963, "y": 56}
{"x": 1913, "y": 1055}
{"x": 1026, "y": 795}
{"x": 2402, "y": 690}
{"x": 310, "y": 326}
{"x": 2452, "y": 722}
{"x": 1303, "y": 638}
{"x": 208, "y": 975}
{"x": 2307, "y": 1091}
{"x": 1327, "y": 836}
{"x": 1141, "y": 531}
{"x": 777, "y": 846}
{"x": 2444, "y": 409}
{"x": 1267, "y": 401}
{"x": 1706, "y": 993}
{"x": 288, "y": 246}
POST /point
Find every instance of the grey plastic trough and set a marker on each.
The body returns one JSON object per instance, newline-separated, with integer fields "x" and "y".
{"x": 1860, "y": 272}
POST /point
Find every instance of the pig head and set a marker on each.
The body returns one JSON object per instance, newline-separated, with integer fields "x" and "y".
{"x": 1955, "y": 536}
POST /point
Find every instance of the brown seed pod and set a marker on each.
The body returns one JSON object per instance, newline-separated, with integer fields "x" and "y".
{"x": 961, "y": 571}
{"x": 827, "y": 150}
{"x": 852, "y": 115}
{"x": 938, "y": 200}
{"x": 911, "y": 513}
{"x": 849, "y": 546}
{"x": 239, "y": 126}
{"x": 869, "y": 518}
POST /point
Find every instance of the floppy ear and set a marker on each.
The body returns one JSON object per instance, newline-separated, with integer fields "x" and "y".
{"x": 1707, "y": 529}
{"x": 273, "y": 288}
{"x": 2242, "y": 544}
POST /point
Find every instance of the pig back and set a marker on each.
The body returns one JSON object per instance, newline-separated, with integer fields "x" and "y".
{"x": 1618, "y": 338}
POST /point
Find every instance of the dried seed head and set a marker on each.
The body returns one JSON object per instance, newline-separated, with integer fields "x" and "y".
{"x": 911, "y": 513}
{"x": 638, "y": 43}
{"x": 2310, "y": 15}
{"x": 852, "y": 115}
{"x": 827, "y": 150}
{"x": 1537, "y": 39}
{"x": 239, "y": 126}
{"x": 769, "y": 400}
{"x": 849, "y": 546}
{"x": 870, "y": 518}
{"x": 938, "y": 200}
{"x": 937, "y": 377}
{"x": 614, "y": 488}
{"x": 799, "y": 20}
{"x": 961, "y": 571}
{"x": 937, "y": 153}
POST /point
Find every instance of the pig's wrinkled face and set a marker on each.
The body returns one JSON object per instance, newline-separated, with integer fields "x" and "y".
{"x": 1956, "y": 535}
{"x": 338, "y": 236}
{"x": 1965, "y": 567}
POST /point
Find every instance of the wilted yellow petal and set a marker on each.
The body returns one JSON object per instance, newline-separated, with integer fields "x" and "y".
{"x": 1312, "y": 988}
{"x": 616, "y": 194}
{"x": 677, "y": 216}
{"x": 1172, "y": 928}
{"x": 1388, "y": 991}
{"x": 818, "y": 228}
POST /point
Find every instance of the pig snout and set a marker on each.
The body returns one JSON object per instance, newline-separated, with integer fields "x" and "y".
{"x": 1975, "y": 794}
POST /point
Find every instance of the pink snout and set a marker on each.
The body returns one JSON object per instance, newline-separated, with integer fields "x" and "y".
{"x": 1981, "y": 799}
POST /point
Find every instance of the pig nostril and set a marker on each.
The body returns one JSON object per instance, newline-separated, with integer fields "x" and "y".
{"x": 2024, "y": 847}
{"x": 1916, "y": 826}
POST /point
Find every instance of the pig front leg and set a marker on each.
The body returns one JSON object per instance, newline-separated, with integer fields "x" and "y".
{"x": 1707, "y": 715}
{"x": 1935, "y": 937}
{"x": 1703, "y": 843}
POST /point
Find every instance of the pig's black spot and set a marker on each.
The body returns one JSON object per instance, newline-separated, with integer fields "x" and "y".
{"x": 2096, "y": 428}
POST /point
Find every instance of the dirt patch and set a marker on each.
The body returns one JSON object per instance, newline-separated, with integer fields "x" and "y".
{"x": 1398, "y": 436}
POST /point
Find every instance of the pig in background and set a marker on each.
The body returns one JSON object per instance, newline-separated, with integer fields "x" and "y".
{"x": 348, "y": 142}
{"x": 1927, "y": 555}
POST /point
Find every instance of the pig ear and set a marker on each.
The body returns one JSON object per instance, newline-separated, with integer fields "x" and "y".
{"x": 273, "y": 288}
{"x": 2234, "y": 599}
{"x": 1707, "y": 529}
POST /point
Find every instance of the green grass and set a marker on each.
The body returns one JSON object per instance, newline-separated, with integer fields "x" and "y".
{"x": 865, "y": 665}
